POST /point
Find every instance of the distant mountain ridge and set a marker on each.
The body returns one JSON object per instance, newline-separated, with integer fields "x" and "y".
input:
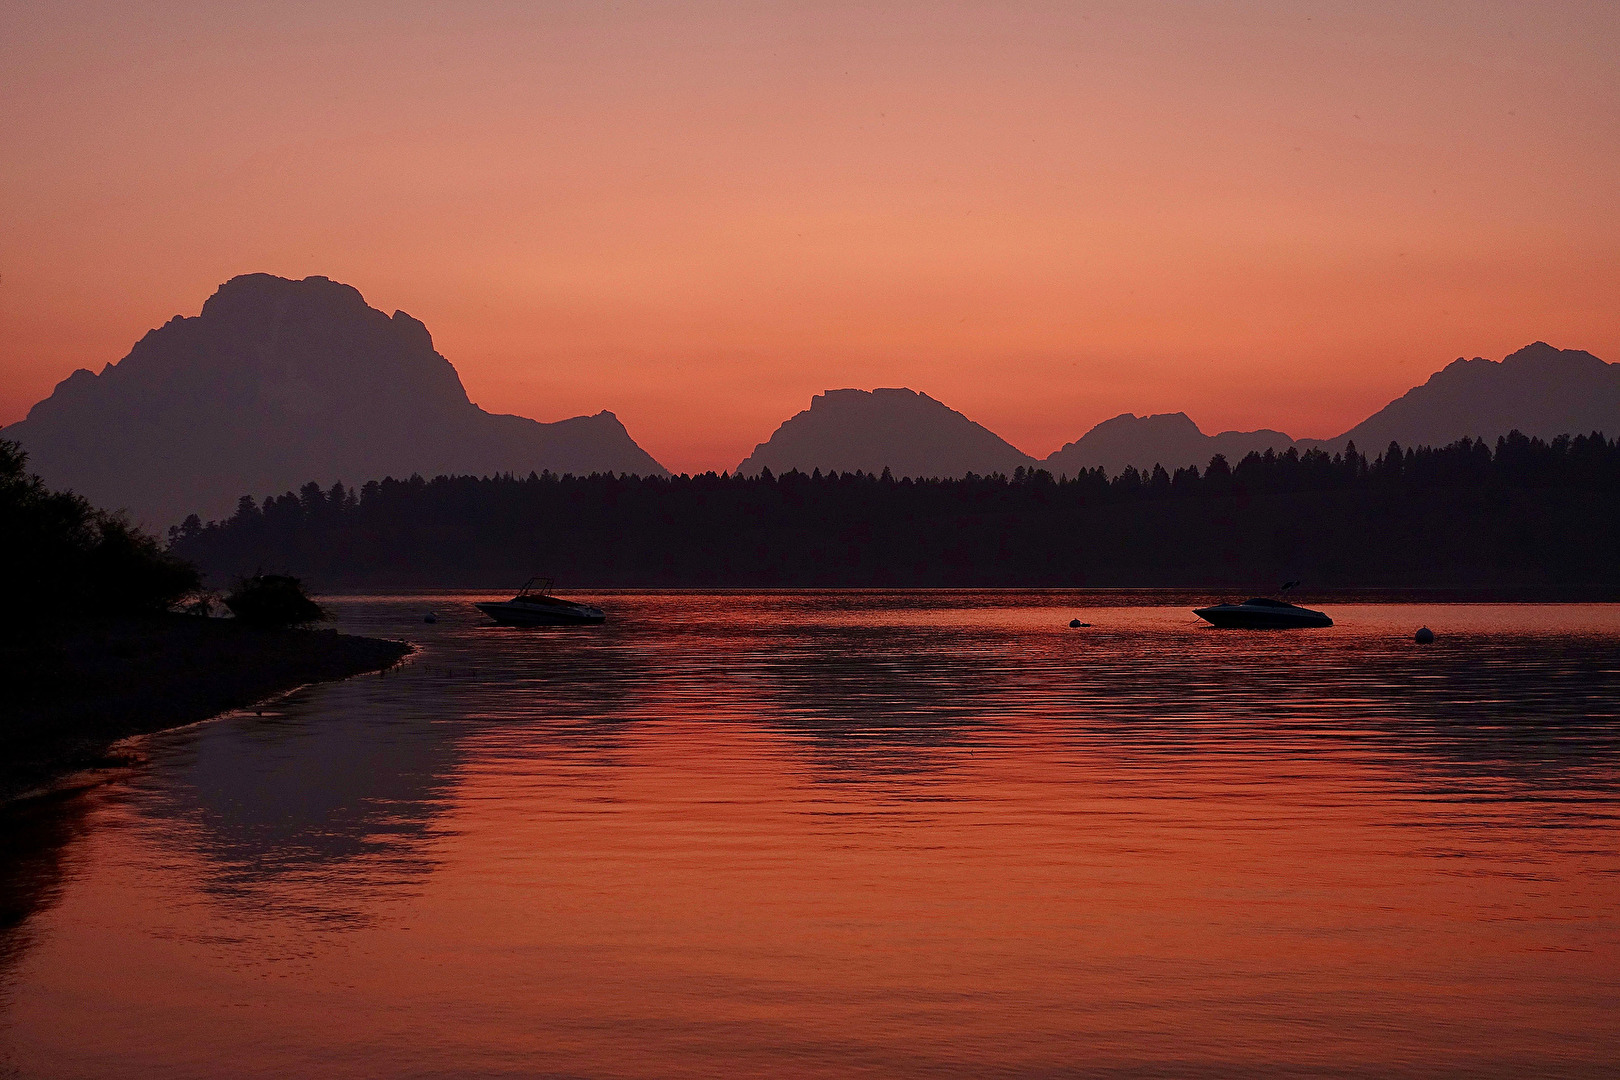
{"x": 1168, "y": 439}
{"x": 1538, "y": 390}
{"x": 902, "y": 430}
{"x": 278, "y": 382}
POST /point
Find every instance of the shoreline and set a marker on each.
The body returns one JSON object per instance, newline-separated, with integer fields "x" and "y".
{"x": 78, "y": 688}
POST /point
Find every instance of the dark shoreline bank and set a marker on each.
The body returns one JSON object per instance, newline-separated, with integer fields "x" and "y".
{"x": 73, "y": 689}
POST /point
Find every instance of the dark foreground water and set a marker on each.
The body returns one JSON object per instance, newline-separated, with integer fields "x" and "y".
{"x": 845, "y": 834}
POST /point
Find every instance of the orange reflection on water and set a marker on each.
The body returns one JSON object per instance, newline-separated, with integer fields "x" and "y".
{"x": 676, "y": 859}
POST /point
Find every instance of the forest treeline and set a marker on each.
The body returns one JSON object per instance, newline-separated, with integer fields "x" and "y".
{"x": 1524, "y": 512}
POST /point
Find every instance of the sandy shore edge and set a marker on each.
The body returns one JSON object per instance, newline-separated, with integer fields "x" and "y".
{"x": 78, "y": 688}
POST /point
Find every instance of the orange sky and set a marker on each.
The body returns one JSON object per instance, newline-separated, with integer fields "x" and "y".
{"x": 700, "y": 214}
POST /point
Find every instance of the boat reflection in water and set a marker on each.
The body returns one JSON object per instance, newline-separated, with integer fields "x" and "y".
{"x": 1259, "y": 613}
{"x": 532, "y": 606}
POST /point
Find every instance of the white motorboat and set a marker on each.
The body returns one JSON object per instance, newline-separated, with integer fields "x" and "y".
{"x": 533, "y": 606}
{"x": 1260, "y": 613}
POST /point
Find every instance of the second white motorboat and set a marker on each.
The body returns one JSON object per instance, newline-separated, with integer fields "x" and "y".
{"x": 534, "y": 606}
{"x": 1260, "y": 613}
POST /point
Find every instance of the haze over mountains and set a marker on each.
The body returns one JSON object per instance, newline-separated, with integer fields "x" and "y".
{"x": 277, "y": 383}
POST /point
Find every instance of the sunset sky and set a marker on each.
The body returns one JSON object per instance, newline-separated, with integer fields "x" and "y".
{"x": 700, "y": 214}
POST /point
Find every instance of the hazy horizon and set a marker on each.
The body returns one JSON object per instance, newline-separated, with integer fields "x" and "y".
{"x": 1263, "y": 215}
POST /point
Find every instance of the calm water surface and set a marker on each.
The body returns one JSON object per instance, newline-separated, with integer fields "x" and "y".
{"x": 845, "y": 834}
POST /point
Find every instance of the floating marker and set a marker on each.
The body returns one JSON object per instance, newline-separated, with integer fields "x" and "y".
{"x": 1424, "y": 635}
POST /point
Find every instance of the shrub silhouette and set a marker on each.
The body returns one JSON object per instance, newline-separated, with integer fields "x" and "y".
{"x": 60, "y": 551}
{"x": 272, "y": 600}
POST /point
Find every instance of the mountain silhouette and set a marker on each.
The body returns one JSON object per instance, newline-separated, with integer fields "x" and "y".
{"x": 1168, "y": 439}
{"x": 277, "y": 383}
{"x": 903, "y": 431}
{"x": 1539, "y": 390}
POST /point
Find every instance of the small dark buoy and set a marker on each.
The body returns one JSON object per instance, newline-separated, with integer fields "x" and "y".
{"x": 430, "y": 617}
{"x": 1424, "y": 636}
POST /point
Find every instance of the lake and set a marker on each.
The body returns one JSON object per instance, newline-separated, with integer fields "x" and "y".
{"x": 855, "y": 834}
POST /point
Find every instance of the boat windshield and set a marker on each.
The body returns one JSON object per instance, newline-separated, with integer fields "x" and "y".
{"x": 1261, "y": 601}
{"x": 535, "y": 588}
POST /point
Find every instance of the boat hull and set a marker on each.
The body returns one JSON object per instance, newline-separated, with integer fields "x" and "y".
{"x": 510, "y": 614}
{"x": 1243, "y": 617}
